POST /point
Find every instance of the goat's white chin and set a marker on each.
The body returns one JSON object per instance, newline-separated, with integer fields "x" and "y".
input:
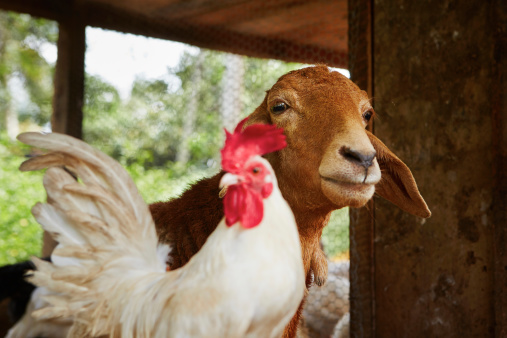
{"x": 345, "y": 193}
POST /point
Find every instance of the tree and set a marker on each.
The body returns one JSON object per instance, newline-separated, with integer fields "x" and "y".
{"x": 101, "y": 111}
{"x": 177, "y": 121}
{"x": 21, "y": 41}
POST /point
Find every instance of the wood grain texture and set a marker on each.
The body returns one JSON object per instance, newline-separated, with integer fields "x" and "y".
{"x": 439, "y": 84}
{"x": 362, "y": 221}
{"x": 299, "y": 31}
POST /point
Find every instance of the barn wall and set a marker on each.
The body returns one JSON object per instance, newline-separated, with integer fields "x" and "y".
{"x": 439, "y": 83}
{"x": 362, "y": 298}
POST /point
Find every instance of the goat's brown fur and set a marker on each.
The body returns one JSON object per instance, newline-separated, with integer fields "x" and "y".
{"x": 325, "y": 114}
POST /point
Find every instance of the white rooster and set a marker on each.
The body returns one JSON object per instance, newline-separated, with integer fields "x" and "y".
{"x": 246, "y": 281}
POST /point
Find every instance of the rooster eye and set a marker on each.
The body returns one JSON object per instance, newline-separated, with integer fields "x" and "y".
{"x": 256, "y": 170}
{"x": 367, "y": 116}
{"x": 279, "y": 108}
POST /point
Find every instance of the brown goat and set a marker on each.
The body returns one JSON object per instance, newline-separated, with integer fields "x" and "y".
{"x": 330, "y": 162}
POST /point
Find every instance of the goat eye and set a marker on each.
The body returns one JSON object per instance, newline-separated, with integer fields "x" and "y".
{"x": 367, "y": 116}
{"x": 256, "y": 170}
{"x": 279, "y": 108}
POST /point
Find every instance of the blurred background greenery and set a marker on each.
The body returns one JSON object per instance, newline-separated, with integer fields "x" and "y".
{"x": 167, "y": 132}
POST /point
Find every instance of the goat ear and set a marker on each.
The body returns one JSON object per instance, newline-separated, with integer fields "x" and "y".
{"x": 397, "y": 184}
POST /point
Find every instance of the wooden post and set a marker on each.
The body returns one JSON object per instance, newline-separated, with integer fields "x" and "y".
{"x": 69, "y": 88}
{"x": 362, "y": 226}
{"x": 69, "y": 78}
{"x": 440, "y": 87}
{"x": 499, "y": 129}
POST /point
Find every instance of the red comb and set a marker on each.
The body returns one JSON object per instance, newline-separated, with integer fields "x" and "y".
{"x": 256, "y": 139}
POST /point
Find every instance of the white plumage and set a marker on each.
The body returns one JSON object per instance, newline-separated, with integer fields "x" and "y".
{"x": 107, "y": 276}
{"x": 29, "y": 327}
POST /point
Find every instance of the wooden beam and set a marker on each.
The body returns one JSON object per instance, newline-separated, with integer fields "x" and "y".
{"x": 5, "y": 321}
{"x": 499, "y": 129}
{"x": 362, "y": 221}
{"x": 211, "y": 37}
{"x": 69, "y": 78}
{"x": 217, "y": 37}
{"x": 445, "y": 276}
{"x": 48, "y": 9}
{"x": 67, "y": 115}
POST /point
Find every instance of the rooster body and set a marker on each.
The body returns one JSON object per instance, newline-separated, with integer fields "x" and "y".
{"x": 233, "y": 274}
{"x": 246, "y": 281}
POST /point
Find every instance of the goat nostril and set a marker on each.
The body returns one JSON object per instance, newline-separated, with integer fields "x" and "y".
{"x": 363, "y": 159}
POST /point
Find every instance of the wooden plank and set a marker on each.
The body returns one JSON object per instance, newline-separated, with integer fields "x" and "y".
{"x": 442, "y": 277}
{"x": 177, "y": 9}
{"x": 499, "y": 131}
{"x": 362, "y": 224}
{"x": 48, "y": 9}
{"x": 274, "y": 20}
{"x": 167, "y": 23}
{"x": 210, "y": 37}
{"x": 68, "y": 96}
{"x": 69, "y": 78}
{"x": 226, "y": 9}
{"x": 5, "y": 322}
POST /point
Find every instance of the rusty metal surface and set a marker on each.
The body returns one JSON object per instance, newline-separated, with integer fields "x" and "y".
{"x": 435, "y": 76}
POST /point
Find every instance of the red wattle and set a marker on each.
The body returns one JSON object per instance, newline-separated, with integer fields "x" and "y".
{"x": 267, "y": 189}
{"x": 244, "y": 205}
{"x": 231, "y": 205}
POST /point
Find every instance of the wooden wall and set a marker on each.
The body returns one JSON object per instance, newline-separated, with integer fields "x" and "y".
{"x": 440, "y": 90}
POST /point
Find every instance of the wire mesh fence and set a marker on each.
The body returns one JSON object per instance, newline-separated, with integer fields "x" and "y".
{"x": 216, "y": 90}
{"x": 169, "y": 128}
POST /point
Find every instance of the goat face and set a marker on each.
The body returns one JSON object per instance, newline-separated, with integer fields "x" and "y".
{"x": 329, "y": 153}
{"x": 331, "y": 160}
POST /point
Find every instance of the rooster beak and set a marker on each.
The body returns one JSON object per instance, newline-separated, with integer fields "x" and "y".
{"x": 228, "y": 180}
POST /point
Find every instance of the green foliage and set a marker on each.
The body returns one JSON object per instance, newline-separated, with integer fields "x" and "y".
{"x": 148, "y": 127}
{"x": 20, "y": 235}
{"x": 102, "y": 125}
{"x": 157, "y": 184}
{"x": 21, "y": 41}
{"x": 145, "y": 132}
{"x": 207, "y": 134}
{"x": 335, "y": 236}
{"x": 260, "y": 75}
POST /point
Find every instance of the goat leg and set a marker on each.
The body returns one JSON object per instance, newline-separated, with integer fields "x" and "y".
{"x": 318, "y": 265}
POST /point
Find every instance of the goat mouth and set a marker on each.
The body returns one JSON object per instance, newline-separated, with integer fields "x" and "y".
{"x": 345, "y": 184}
{"x": 356, "y": 194}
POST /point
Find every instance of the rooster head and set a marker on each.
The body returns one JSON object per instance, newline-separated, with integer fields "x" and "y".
{"x": 249, "y": 178}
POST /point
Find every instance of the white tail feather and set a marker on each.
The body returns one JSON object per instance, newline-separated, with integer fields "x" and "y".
{"x": 93, "y": 167}
{"x": 110, "y": 279}
{"x": 99, "y": 221}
